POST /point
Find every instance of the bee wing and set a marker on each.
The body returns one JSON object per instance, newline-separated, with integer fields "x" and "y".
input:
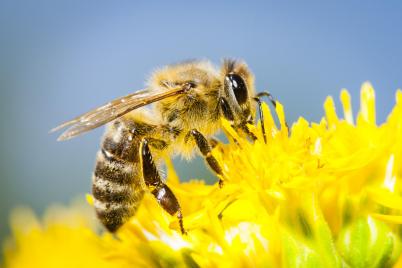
{"x": 112, "y": 110}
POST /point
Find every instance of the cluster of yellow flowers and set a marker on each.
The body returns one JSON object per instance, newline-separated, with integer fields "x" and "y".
{"x": 328, "y": 194}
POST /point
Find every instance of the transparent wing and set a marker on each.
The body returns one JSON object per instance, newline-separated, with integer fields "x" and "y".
{"x": 112, "y": 110}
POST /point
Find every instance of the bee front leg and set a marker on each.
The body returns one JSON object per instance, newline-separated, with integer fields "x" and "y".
{"x": 257, "y": 98}
{"x": 205, "y": 150}
{"x": 228, "y": 114}
{"x": 248, "y": 132}
{"x": 165, "y": 197}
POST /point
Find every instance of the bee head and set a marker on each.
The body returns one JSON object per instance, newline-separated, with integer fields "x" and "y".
{"x": 238, "y": 90}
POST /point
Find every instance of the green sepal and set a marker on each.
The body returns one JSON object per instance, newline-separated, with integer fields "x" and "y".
{"x": 368, "y": 243}
{"x": 310, "y": 249}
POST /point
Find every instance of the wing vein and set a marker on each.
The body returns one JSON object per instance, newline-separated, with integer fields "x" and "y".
{"x": 114, "y": 109}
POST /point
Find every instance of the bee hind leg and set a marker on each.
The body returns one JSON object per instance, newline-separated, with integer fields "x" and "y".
{"x": 205, "y": 149}
{"x": 165, "y": 197}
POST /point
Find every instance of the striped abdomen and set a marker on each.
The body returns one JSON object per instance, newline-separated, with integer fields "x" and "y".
{"x": 116, "y": 182}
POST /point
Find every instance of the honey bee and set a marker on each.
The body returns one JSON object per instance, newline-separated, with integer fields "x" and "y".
{"x": 189, "y": 100}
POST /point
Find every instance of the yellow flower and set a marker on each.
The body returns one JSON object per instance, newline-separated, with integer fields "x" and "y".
{"x": 325, "y": 194}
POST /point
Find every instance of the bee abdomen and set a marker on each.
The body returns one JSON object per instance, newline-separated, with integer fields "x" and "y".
{"x": 116, "y": 182}
{"x": 110, "y": 192}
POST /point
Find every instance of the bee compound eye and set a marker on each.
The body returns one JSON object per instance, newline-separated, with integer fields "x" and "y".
{"x": 236, "y": 83}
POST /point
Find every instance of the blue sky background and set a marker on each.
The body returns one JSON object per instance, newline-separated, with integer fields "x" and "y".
{"x": 61, "y": 58}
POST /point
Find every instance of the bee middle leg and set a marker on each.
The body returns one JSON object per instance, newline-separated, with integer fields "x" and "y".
{"x": 213, "y": 142}
{"x": 165, "y": 197}
{"x": 205, "y": 150}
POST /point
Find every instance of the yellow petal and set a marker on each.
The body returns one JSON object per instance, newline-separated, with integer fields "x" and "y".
{"x": 330, "y": 112}
{"x": 388, "y": 218}
{"x": 367, "y": 103}
{"x": 347, "y": 106}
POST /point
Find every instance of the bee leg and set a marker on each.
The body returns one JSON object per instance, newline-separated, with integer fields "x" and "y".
{"x": 257, "y": 99}
{"x": 205, "y": 150}
{"x": 213, "y": 142}
{"x": 249, "y": 133}
{"x": 228, "y": 114}
{"x": 165, "y": 197}
{"x": 157, "y": 144}
{"x": 226, "y": 110}
{"x": 273, "y": 101}
{"x": 268, "y": 95}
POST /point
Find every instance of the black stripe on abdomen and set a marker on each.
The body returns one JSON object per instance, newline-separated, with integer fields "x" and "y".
{"x": 116, "y": 189}
{"x": 116, "y": 171}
